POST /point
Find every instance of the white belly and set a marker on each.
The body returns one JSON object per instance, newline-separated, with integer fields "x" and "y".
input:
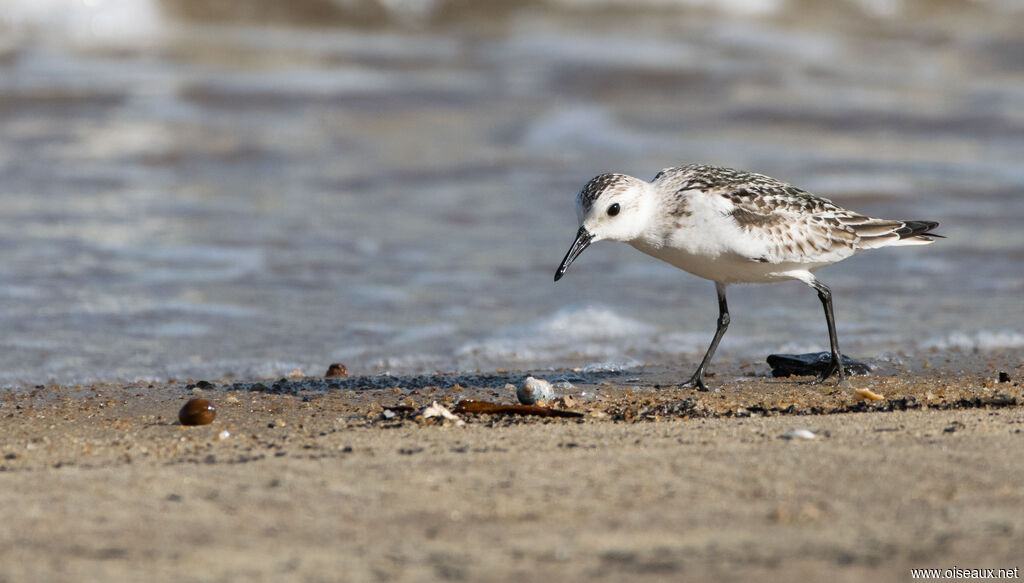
{"x": 727, "y": 267}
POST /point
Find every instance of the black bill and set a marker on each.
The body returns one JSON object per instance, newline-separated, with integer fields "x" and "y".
{"x": 583, "y": 239}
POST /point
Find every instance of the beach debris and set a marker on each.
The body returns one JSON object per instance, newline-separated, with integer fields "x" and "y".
{"x": 867, "y": 395}
{"x": 199, "y": 387}
{"x": 224, "y": 434}
{"x": 798, "y": 434}
{"x": 999, "y": 400}
{"x": 436, "y": 410}
{"x": 197, "y": 412}
{"x": 1004, "y": 377}
{"x": 488, "y": 408}
{"x": 336, "y": 371}
{"x": 400, "y": 409}
{"x": 534, "y": 390}
{"x": 566, "y": 402}
{"x": 811, "y": 364}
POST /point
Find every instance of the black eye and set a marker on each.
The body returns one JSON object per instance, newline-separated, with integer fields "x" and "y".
{"x": 613, "y": 210}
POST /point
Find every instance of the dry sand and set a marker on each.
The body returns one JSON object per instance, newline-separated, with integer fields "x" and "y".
{"x": 318, "y": 480}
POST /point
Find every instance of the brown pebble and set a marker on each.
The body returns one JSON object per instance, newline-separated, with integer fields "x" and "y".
{"x": 336, "y": 371}
{"x": 197, "y": 412}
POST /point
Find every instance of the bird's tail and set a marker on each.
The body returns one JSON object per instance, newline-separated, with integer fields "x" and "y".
{"x": 917, "y": 233}
{"x": 874, "y": 233}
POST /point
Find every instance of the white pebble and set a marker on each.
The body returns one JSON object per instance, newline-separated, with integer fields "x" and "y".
{"x": 534, "y": 390}
{"x": 798, "y": 434}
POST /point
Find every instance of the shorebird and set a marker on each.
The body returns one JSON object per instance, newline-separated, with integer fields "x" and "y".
{"x": 732, "y": 226}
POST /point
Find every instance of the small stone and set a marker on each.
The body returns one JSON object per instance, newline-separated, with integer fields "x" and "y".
{"x": 534, "y": 390}
{"x": 336, "y": 371}
{"x": 798, "y": 434}
{"x": 1004, "y": 377}
{"x": 197, "y": 412}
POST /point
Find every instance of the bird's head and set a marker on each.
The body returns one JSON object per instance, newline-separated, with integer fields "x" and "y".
{"x": 616, "y": 207}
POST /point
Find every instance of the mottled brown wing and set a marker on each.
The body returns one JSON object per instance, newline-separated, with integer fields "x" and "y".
{"x": 798, "y": 226}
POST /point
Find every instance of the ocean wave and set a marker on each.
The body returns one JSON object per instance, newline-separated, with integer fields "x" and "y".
{"x": 143, "y": 20}
{"x": 97, "y": 20}
{"x": 581, "y": 332}
{"x": 982, "y": 340}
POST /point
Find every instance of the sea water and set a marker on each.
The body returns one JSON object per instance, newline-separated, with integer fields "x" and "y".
{"x": 192, "y": 194}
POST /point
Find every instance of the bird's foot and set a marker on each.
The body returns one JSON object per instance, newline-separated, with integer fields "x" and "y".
{"x": 833, "y": 369}
{"x": 825, "y": 373}
{"x": 696, "y": 383}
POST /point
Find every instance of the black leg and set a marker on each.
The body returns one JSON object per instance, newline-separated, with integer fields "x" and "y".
{"x": 825, "y": 295}
{"x": 697, "y": 380}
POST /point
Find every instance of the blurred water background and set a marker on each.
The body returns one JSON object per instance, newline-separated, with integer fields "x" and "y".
{"x": 210, "y": 189}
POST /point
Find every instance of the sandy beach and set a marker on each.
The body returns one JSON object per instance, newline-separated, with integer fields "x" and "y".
{"x": 221, "y": 193}
{"x": 352, "y": 483}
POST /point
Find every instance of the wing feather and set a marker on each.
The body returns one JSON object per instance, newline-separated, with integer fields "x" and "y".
{"x": 795, "y": 225}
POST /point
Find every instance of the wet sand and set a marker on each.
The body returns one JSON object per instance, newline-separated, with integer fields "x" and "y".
{"x": 325, "y": 480}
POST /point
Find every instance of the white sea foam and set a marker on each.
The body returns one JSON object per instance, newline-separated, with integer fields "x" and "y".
{"x": 982, "y": 340}
{"x": 591, "y": 332}
{"x": 85, "y": 20}
{"x": 594, "y": 322}
{"x": 611, "y": 366}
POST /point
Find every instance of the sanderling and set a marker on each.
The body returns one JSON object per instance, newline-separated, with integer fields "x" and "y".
{"x": 732, "y": 226}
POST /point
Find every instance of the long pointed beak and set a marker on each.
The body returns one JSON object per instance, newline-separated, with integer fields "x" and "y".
{"x": 583, "y": 239}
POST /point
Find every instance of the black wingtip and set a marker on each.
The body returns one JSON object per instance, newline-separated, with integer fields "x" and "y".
{"x": 918, "y": 229}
